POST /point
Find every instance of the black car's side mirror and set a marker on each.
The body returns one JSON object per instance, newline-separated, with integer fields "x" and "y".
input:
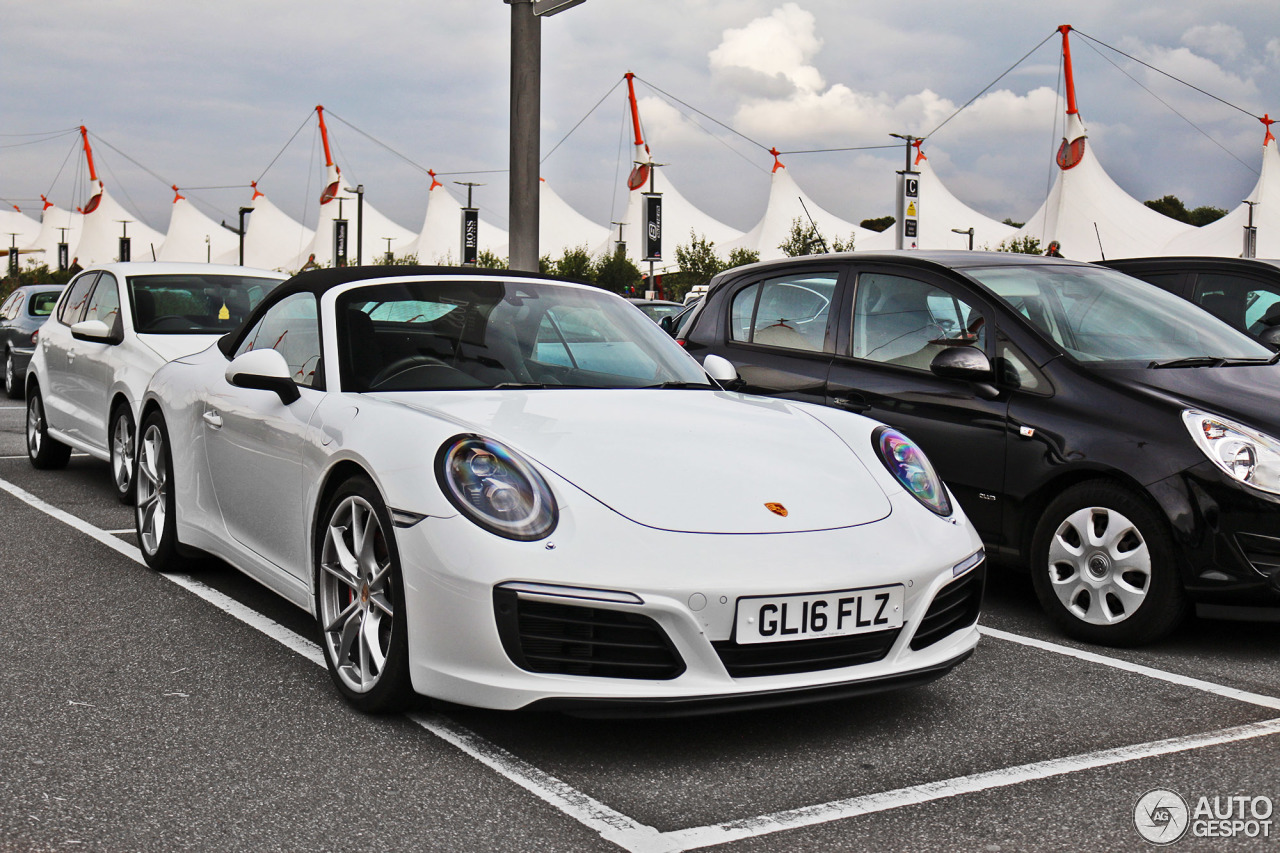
{"x": 668, "y": 325}
{"x": 969, "y": 364}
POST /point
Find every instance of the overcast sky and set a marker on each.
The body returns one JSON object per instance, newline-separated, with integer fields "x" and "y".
{"x": 208, "y": 94}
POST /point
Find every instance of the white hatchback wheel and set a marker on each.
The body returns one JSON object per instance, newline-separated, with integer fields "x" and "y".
{"x": 153, "y": 491}
{"x": 122, "y": 452}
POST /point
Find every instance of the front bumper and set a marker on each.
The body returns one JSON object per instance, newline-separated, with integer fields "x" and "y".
{"x": 1227, "y": 534}
{"x": 688, "y": 586}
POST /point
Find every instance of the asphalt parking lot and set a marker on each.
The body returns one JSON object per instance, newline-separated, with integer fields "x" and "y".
{"x": 143, "y": 712}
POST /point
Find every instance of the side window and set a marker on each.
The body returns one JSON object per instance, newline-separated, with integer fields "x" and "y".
{"x": 77, "y": 295}
{"x": 790, "y": 312}
{"x": 104, "y": 304}
{"x": 8, "y": 311}
{"x": 902, "y": 321}
{"x": 292, "y": 328}
{"x": 1016, "y": 371}
{"x": 1226, "y": 296}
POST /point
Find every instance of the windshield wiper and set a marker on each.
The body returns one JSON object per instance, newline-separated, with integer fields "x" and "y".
{"x": 1214, "y": 361}
{"x": 676, "y": 384}
{"x": 521, "y": 385}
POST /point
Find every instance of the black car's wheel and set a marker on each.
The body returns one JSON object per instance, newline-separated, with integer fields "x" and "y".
{"x": 121, "y": 434}
{"x": 45, "y": 452}
{"x": 360, "y": 599}
{"x": 155, "y": 512}
{"x": 1103, "y": 566}
{"x": 12, "y": 384}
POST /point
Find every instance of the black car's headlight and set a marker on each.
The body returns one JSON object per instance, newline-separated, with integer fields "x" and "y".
{"x": 496, "y": 488}
{"x": 1247, "y": 455}
{"x": 907, "y": 462}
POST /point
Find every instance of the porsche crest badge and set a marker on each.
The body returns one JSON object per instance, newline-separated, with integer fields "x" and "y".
{"x": 776, "y": 509}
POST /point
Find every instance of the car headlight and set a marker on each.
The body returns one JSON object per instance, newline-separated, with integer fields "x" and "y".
{"x": 496, "y": 488}
{"x": 1249, "y": 456}
{"x": 907, "y": 462}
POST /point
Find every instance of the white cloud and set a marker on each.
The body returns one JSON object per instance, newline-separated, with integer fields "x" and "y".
{"x": 1273, "y": 51}
{"x": 1221, "y": 40}
{"x": 777, "y": 48}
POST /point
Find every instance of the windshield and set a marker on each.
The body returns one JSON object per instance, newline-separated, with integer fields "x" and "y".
{"x": 455, "y": 335}
{"x": 194, "y": 304}
{"x": 1103, "y": 317}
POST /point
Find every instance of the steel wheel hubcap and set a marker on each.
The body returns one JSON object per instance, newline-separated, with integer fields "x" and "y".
{"x": 8, "y": 373}
{"x": 357, "y": 609}
{"x": 122, "y": 452}
{"x": 1099, "y": 565}
{"x": 153, "y": 490}
{"x": 35, "y": 426}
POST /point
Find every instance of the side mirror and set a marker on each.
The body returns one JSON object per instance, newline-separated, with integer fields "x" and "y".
{"x": 94, "y": 330}
{"x": 720, "y": 369}
{"x": 668, "y": 325}
{"x": 264, "y": 370}
{"x": 1271, "y": 337}
{"x": 969, "y": 364}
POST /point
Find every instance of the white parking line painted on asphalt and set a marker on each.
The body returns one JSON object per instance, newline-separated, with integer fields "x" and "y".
{"x": 708, "y": 836}
{"x": 1138, "y": 669}
{"x": 636, "y": 837}
{"x": 25, "y": 456}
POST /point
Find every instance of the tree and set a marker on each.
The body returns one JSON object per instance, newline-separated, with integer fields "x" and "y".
{"x": 1172, "y": 207}
{"x": 407, "y": 260}
{"x": 616, "y": 273}
{"x": 1008, "y": 221}
{"x": 32, "y": 273}
{"x": 575, "y": 265}
{"x": 1027, "y": 245}
{"x": 742, "y": 257}
{"x": 806, "y": 239}
{"x": 878, "y": 224}
{"x": 489, "y": 261}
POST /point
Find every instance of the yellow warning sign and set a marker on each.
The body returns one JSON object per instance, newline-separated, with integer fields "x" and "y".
{"x": 224, "y": 314}
{"x": 911, "y": 209}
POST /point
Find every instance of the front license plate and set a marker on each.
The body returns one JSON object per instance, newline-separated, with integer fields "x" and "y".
{"x": 779, "y": 618}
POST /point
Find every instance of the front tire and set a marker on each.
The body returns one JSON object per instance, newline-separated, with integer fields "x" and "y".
{"x": 360, "y": 603}
{"x": 44, "y": 452}
{"x": 122, "y": 434}
{"x": 155, "y": 511}
{"x": 12, "y": 384}
{"x": 1103, "y": 567}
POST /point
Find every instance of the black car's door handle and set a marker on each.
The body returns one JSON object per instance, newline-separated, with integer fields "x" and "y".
{"x": 850, "y": 402}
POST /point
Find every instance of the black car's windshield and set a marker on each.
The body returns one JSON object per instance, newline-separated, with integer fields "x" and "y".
{"x": 455, "y": 335}
{"x": 194, "y": 304}
{"x": 1103, "y": 317}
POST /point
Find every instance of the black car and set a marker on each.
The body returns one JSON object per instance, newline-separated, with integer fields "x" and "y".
{"x": 1115, "y": 438}
{"x": 1244, "y": 292}
{"x": 22, "y": 313}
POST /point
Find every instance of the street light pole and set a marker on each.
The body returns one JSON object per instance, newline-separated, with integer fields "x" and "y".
{"x": 359, "y": 191}
{"x": 968, "y": 231}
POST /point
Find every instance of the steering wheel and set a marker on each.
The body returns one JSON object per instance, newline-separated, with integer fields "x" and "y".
{"x": 400, "y": 365}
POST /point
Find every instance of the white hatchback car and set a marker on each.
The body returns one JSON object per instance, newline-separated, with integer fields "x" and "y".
{"x": 113, "y": 327}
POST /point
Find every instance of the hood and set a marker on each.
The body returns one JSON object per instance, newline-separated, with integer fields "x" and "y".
{"x": 1250, "y": 395}
{"x": 169, "y": 347}
{"x": 690, "y": 461}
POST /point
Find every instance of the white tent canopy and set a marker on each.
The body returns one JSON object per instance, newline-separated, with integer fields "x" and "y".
{"x": 104, "y": 225}
{"x": 939, "y": 213}
{"x": 18, "y": 229}
{"x": 272, "y": 238}
{"x": 192, "y": 236}
{"x": 440, "y": 240}
{"x": 560, "y": 227}
{"x": 1090, "y": 215}
{"x": 680, "y": 220}
{"x": 52, "y": 222}
{"x": 1225, "y": 237}
{"x": 376, "y": 228}
{"x": 787, "y": 203}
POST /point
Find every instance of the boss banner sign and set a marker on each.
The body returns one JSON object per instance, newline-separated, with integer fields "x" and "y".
{"x": 339, "y": 242}
{"x": 653, "y": 226}
{"x": 470, "y": 235}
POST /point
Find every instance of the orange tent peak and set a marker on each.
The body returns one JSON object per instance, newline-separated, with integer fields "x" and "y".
{"x": 257, "y": 193}
{"x": 919, "y": 143}
{"x": 777, "y": 164}
{"x": 1068, "y": 72}
{"x": 434, "y": 182}
{"x": 15, "y": 207}
{"x": 47, "y": 204}
{"x": 177, "y": 196}
{"x": 1267, "y": 120}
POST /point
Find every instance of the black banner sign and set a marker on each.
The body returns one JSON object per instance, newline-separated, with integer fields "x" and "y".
{"x": 470, "y": 236}
{"x": 125, "y": 249}
{"x": 339, "y": 242}
{"x": 653, "y": 226}
{"x": 64, "y": 257}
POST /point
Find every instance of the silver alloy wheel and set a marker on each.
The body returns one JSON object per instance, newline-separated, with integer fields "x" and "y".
{"x": 122, "y": 451}
{"x": 357, "y": 609}
{"x": 35, "y": 425}
{"x": 1099, "y": 565}
{"x": 10, "y": 383}
{"x": 153, "y": 490}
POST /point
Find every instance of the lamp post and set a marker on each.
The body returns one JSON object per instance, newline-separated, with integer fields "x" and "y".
{"x": 239, "y": 231}
{"x": 968, "y": 231}
{"x": 526, "y": 111}
{"x": 359, "y": 191}
{"x": 1250, "y": 234}
{"x": 907, "y": 227}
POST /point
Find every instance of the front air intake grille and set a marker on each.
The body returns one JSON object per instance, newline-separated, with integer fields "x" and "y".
{"x": 578, "y": 639}
{"x": 1262, "y": 552}
{"x": 955, "y": 606}
{"x": 754, "y": 659}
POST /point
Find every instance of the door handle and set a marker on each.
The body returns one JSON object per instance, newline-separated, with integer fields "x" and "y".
{"x": 213, "y": 419}
{"x": 851, "y": 402}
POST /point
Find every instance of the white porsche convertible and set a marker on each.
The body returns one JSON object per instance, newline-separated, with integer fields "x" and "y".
{"x": 466, "y": 477}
